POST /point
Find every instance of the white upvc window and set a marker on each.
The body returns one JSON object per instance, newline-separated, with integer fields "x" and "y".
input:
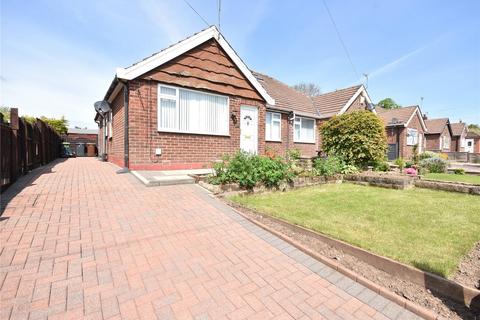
{"x": 190, "y": 111}
{"x": 412, "y": 137}
{"x": 446, "y": 142}
{"x": 304, "y": 130}
{"x": 273, "y": 126}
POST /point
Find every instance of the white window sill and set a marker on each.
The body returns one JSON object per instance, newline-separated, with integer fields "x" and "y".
{"x": 273, "y": 140}
{"x": 308, "y": 142}
{"x": 195, "y": 133}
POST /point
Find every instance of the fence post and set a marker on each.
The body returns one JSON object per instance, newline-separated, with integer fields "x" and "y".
{"x": 14, "y": 149}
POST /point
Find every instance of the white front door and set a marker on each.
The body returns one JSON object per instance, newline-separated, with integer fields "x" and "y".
{"x": 469, "y": 145}
{"x": 249, "y": 129}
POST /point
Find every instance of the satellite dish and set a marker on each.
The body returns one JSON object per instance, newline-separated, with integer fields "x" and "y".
{"x": 102, "y": 107}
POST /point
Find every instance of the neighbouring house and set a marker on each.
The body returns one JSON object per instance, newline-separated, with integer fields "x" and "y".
{"x": 83, "y": 141}
{"x": 294, "y": 121}
{"x": 459, "y": 134}
{"x": 187, "y": 105}
{"x": 472, "y": 142}
{"x": 439, "y": 135}
{"x": 405, "y": 128}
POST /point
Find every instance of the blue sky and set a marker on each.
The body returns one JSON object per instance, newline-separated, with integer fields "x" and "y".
{"x": 58, "y": 57}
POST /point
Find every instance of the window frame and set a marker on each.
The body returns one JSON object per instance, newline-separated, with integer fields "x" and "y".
{"x": 302, "y": 140}
{"x": 177, "y": 110}
{"x": 446, "y": 142}
{"x": 415, "y": 137}
{"x": 271, "y": 122}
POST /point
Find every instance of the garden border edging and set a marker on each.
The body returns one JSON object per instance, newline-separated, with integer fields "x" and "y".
{"x": 446, "y": 287}
{"x": 387, "y": 294}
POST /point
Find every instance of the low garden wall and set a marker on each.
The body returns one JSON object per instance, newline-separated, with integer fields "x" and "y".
{"x": 448, "y": 186}
{"x": 384, "y": 180}
{"x": 297, "y": 182}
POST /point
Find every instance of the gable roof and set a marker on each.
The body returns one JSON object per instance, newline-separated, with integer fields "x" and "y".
{"x": 401, "y": 116}
{"x": 458, "y": 128}
{"x": 185, "y": 45}
{"x": 338, "y": 101}
{"x": 436, "y": 126}
{"x": 287, "y": 98}
{"x": 473, "y": 135}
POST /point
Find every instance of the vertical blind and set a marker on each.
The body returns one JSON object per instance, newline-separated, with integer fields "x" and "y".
{"x": 192, "y": 111}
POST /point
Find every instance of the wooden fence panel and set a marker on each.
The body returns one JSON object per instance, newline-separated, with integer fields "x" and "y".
{"x": 25, "y": 146}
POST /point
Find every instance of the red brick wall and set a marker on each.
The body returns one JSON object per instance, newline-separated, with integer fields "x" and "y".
{"x": 456, "y": 144}
{"x": 81, "y": 138}
{"x": 115, "y": 145}
{"x": 179, "y": 150}
{"x": 433, "y": 142}
{"x": 356, "y": 105}
{"x": 280, "y": 148}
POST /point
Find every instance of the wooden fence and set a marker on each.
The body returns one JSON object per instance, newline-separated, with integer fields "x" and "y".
{"x": 463, "y": 156}
{"x": 25, "y": 146}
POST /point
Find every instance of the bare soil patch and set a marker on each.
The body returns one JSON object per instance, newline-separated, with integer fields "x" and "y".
{"x": 444, "y": 307}
{"x": 468, "y": 272}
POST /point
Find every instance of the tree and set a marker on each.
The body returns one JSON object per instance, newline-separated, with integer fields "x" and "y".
{"x": 309, "y": 89}
{"x": 5, "y": 111}
{"x": 388, "y": 103}
{"x": 60, "y": 125}
{"x": 358, "y": 138}
{"x": 474, "y": 128}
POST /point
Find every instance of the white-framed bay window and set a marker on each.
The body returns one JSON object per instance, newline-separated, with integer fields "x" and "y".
{"x": 273, "y": 126}
{"x": 304, "y": 130}
{"x": 445, "y": 143}
{"x": 412, "y": 137}
{"x": 191, "y": 111}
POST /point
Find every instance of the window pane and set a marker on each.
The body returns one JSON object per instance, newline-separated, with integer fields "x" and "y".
{"x": 308, "y": 129}
{"x": 168, "y": 91}
{"x": 202, "y": 113}
{"x": 275, "y": 130}
{"x": 268, "y": 124}
{"x": 297, "y": 131}
{"x": 276, "y": 116}
{"x": 167, "y": 114}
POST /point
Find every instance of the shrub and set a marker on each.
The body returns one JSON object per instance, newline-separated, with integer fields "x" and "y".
{"x": 349, "y": 169}
{"x": 427, "y": 154}
{"x": 328, "y": 166}
{"x": 409, "y": 164}
{"x": 357, "y": 137}
{"x": 411, "y": 171}
{"x": 443, "y": 156}
{"x": 400, "y": 163}
{"x": 381, "y": 166}
{"x": 434, "y": 165}
{"x": 415, "y": 155}
{"x": 247, "y": 170}
{"x": 293, "y": 154}
{"x": 459, "y": 171}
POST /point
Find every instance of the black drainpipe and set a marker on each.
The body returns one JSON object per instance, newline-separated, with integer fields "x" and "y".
{"x": 125, "y": 135}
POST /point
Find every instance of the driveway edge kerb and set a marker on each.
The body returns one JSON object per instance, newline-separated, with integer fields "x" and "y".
{"x": 387, "y": 294}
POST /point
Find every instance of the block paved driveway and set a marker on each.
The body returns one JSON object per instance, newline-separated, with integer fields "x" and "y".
{"x": 79, "y": 241}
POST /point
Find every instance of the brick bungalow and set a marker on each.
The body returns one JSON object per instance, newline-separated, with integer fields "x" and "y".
{"x": 439, "y": 135}
{"x": 187, "y": 105}
{"x": 405, "y": 128}
{"x": 459, "y": 134}
{"x": 294, "y": 121}
{"x": 472, "y": 142}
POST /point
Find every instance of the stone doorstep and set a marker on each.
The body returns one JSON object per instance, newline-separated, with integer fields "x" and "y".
{"x": 151, "y": 180}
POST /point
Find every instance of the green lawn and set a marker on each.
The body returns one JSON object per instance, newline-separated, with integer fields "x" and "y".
{"x": 429, "y": 229}
{"x": 468, "y": 178}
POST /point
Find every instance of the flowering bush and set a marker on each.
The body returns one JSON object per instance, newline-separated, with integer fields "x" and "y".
{"x": 411, "y": 171}
{"x": 434, "y": 165}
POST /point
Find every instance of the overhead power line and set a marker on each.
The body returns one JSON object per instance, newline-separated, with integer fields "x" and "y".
{"x": 198, "y": 14}
{"x": 340, "y": 38}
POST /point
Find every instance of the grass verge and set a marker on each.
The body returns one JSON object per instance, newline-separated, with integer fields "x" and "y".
{"x": 467, "y": 178}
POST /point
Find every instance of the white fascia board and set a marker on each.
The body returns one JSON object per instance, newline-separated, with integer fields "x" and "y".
{"x": 422, "y": 122}
{"x": 180, "y": 48}
{"x": 352, "y": 99}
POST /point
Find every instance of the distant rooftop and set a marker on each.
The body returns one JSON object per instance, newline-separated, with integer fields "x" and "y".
{"x": 82, "y": 131}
